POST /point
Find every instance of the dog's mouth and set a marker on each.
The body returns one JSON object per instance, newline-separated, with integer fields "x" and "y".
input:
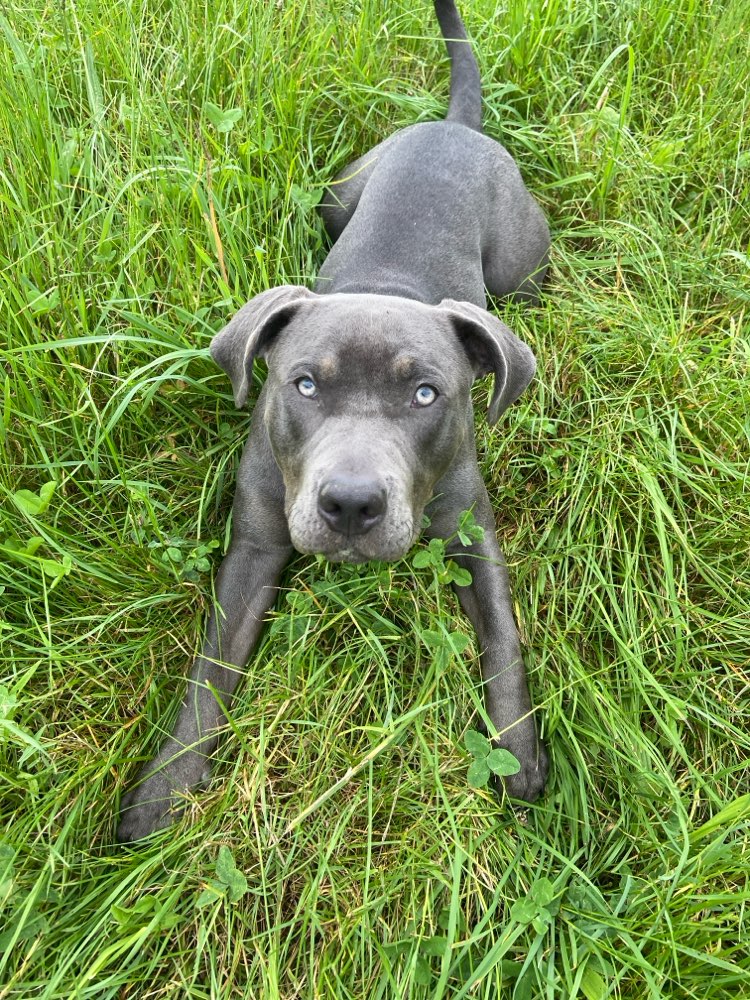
{"x": 387, "y": 540}
{"x": 388, "y": 548}
{"x": 346, "y": 555}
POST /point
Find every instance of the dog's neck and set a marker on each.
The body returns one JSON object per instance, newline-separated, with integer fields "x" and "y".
{"x": 381, "y": 283}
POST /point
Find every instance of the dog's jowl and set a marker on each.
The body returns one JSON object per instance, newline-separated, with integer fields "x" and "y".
{"x": 365, "y": 418}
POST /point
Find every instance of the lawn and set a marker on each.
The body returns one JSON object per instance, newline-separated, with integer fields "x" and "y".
{"x": 160, "y": 164}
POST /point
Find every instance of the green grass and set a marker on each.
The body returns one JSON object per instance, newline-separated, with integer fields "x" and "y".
{"x": 130, "y": 229}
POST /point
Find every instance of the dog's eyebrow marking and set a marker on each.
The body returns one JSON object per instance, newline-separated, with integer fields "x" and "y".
{"x": 328, "y": 367}
{"x": 404, "y": 366}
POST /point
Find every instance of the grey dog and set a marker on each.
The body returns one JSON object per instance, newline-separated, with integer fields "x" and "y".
{"x": 365, "y": 418}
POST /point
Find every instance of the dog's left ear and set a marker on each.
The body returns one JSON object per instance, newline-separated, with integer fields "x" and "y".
{"x": 248, "y": 335}
{"x": 492, "y": 347}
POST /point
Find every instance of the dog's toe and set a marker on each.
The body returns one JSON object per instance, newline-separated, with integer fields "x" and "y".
{"x": 528, "y": 784}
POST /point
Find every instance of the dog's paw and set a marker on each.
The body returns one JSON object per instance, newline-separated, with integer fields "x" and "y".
{"x": 157, "y": 800}
{"x": 528, "y": 784}
{"x": 522, "y": 741}
{"x": 149, "y": 807}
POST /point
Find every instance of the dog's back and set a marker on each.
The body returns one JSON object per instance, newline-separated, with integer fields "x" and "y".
{"x": 437, "y": 210}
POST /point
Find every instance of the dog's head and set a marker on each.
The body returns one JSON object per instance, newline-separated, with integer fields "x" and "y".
{"x": 367, "y": 404}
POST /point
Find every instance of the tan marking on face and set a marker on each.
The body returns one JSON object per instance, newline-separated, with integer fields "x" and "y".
{"x": 403, "y": 366}
{"x": 328, "y": 367}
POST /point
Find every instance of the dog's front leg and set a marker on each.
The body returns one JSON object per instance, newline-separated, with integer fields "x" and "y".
{"x": 487, "y": 603}
{"x": 246, "y": 588}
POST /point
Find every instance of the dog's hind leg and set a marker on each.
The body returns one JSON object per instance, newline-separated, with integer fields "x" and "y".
{"x": 343, "y": 193}
{"x": 515, "y": 248}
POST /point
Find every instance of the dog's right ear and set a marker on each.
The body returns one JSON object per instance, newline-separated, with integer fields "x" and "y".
{"x": 493, "y": 348}
{"x": 248, "y": 335}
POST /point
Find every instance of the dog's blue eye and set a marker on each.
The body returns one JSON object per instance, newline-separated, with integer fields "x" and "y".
{"x": 307, "y": 387}
{"x": 425, "y": 395}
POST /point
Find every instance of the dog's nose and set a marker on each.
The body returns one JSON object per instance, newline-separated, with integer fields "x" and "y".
{"x": 351, "y": 505}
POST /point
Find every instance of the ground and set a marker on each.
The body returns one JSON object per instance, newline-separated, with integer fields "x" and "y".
{"x": 160, "y": 165}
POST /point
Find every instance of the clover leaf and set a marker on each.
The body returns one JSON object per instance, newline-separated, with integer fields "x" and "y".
{"x": 487, "y": 760}
{"x": 538, "y": 908}
{"x": 230, "y": 883}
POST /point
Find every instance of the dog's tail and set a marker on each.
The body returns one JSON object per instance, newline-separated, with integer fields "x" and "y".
{"x": 465, "y": 104}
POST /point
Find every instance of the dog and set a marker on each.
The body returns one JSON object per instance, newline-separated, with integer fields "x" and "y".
{"x": 365, "y": 418}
